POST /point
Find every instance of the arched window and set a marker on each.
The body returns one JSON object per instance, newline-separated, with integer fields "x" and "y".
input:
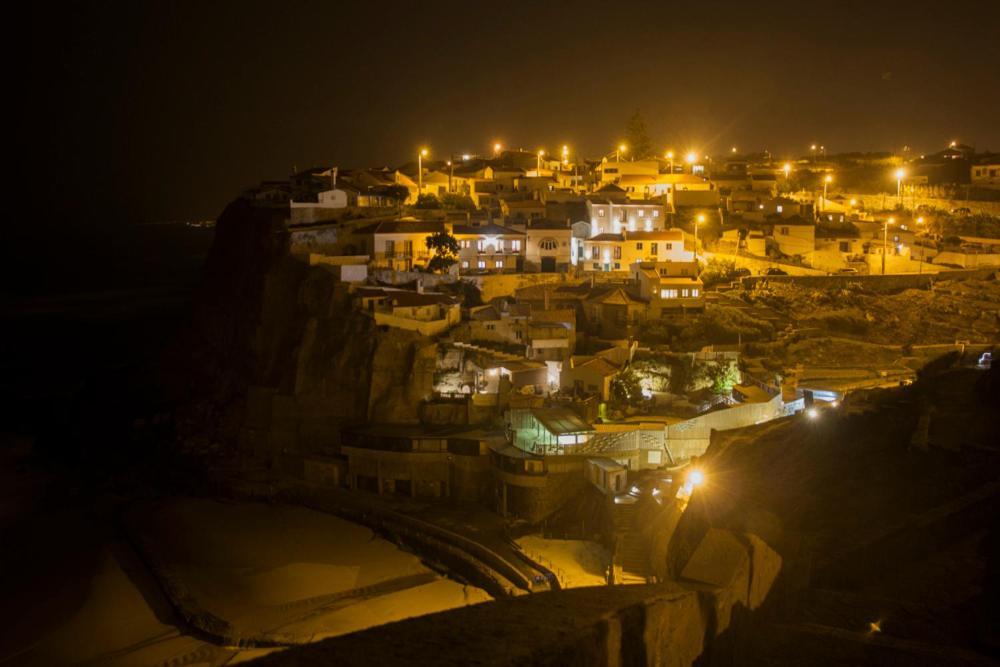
{"x": 548, "y": 244}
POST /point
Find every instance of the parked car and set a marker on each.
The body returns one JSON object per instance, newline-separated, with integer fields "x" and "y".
{"x": 847, "y": 272}
{"x": 773, "y": 271}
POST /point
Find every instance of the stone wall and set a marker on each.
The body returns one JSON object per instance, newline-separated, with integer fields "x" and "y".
{"x": 873, "y": 283}
{"x": 885, "y": 201}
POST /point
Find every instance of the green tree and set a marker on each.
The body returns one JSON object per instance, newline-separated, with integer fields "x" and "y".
{"x": 722, "y": 377}
{"x": 444, "y": 246}
{"x": 427, "y": 201}
{"x": 637, "y": 136}
{"x": 458, "y": 202}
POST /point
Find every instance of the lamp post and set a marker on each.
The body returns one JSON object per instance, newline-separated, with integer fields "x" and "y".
{"x": 670, "y": 156}
{"x": 496, "y": 149}
{"x": 618, "y": 153}
{"x": 920, "y": 262}
{"x": 691, "y": 158}
{"x": 900, "y": 175}
{"x": 538, "y": 168}
{"x": 885, "y": 240}
{"x": 826, "y": 181}
{"x": 420, "y": 171}
{"x": 697, "y": 221}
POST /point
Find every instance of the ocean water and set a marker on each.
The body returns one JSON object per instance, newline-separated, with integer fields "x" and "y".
{"x": 85, "y": 317}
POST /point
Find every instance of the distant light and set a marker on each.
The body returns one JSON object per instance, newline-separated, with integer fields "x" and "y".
{"x": 423, "y": 152}
{"x": 812, "y": 413}
{"x": 622, "y": 147}
{"x": 875, "y": 626}
{"x": 670, "y": 155}
{"x": 448, "y": 163}
{"x": 701, "y": 217}
{"x": 634, "y": 490}
{"x": 829, "y": 178}
{"x": 492, "y": 372}
{"x": 953, "y": 144}
{"x": 787, "y": 168}
{"x": 920, "y": 220}
{"x": 565, "y": 150}
{"x": 854, "y": 202}
{"x": 496, "y": 148}
{"x": 691, "y": 157}
{"x": 734, "y": 149}
{"x": 834, "y": 404}
{"x": 900, "y": 173}
{"x": 541, "y": 151}
{"x": 696, "y": 478}
{"x": 466, "y": 156}
{"x": 813, "y": 147}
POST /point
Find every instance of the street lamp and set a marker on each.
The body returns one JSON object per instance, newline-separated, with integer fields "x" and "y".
{"x": 900, "y": 175}
{"x": 885, "y": 239}
{"x": 691, "y": 158}
{"x": 697, "y": 221}
{"x": 920, "y": 262}
{"x": 420, "y": 170}
{"x": 618, "y": 154}
{"x": 826, "y": 181}
{"x": 496, "y": 149}
{"x": 538, "y": 169}
{"x": 565, "y": 155}
{"x": 787, "y": 168}
{"x": 670, "y": 156}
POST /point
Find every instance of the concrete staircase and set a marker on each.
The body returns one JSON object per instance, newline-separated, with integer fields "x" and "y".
{"x": 630, "y": 553}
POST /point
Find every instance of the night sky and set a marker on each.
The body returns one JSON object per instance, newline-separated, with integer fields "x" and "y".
{"x": 154, "y": 111}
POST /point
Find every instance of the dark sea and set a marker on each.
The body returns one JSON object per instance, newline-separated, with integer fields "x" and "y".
{"x": 86, "y": 316}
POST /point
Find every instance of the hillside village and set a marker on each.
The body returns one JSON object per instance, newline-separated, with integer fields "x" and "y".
{"x": 559, "y": 321}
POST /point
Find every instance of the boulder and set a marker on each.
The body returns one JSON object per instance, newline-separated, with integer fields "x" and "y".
{"x": 765, "y": 564}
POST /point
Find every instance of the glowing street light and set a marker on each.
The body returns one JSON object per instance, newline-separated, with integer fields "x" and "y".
{"x": 900, "y": 175}
{"x": 670, "y": 156}
{"x": 734, "y": 149}
{"x": 496, "y": 149}
{"x": 787, "y": 168}
{"x": 885, "y": 239}
{"x": 618, "y": 154}
{"x": 538, "y": 169}
{"x": 696, "y": 478}
{"x": 420, "y": 169}
{"x": 920, "y": 262}
{"x": 565, "y": 155}
{"x": 697, "y": 221}
{"x": 826, "y": 181}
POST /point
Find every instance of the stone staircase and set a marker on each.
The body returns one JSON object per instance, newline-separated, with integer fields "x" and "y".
{"x": 482, "y": 349}
{"x": 630, "y": 553}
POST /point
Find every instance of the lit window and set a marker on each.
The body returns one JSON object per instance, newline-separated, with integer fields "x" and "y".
{"x": 465, "y": 264}
{"x": 482, "y": 264}
{"x": 653, "y": 248}
{"x": 780, "y": 208}
{"x": 668, "y": 294}
{"x": 649, "y": 225}
{"x": 618, "y": 252}
{"x": 480, "y": 245}
{"x": 600, "y": 212}
{"x": 656, "y": 214}
{"x": 499, "y": 263}
{"x": 694, "y": 292}
{"x": 685, "y": 293}
{"x": 642, "y": 213}
{"x": 515, "y": 245}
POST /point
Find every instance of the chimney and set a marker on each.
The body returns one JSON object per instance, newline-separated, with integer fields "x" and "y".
{"x": 333, "y": 178}
{"x": 420, "y": 285}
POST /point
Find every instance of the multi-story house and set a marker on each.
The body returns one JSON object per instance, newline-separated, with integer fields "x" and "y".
{"x": 669, "y": 287}
{"x": 549, "y": 247}
{"x": 490, "y": 248}
{"x": 615, "y": 252}
{"x": 400, "y": 244}
{"x": 611, "y": 217}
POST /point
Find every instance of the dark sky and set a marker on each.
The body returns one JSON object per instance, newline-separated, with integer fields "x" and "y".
{"x": 154, "y": 110}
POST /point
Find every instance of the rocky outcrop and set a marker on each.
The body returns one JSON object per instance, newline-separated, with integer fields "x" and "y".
{"x": 276, "y": 360}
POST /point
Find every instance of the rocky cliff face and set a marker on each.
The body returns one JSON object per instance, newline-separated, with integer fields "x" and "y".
{"x": 277, "y": 359}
